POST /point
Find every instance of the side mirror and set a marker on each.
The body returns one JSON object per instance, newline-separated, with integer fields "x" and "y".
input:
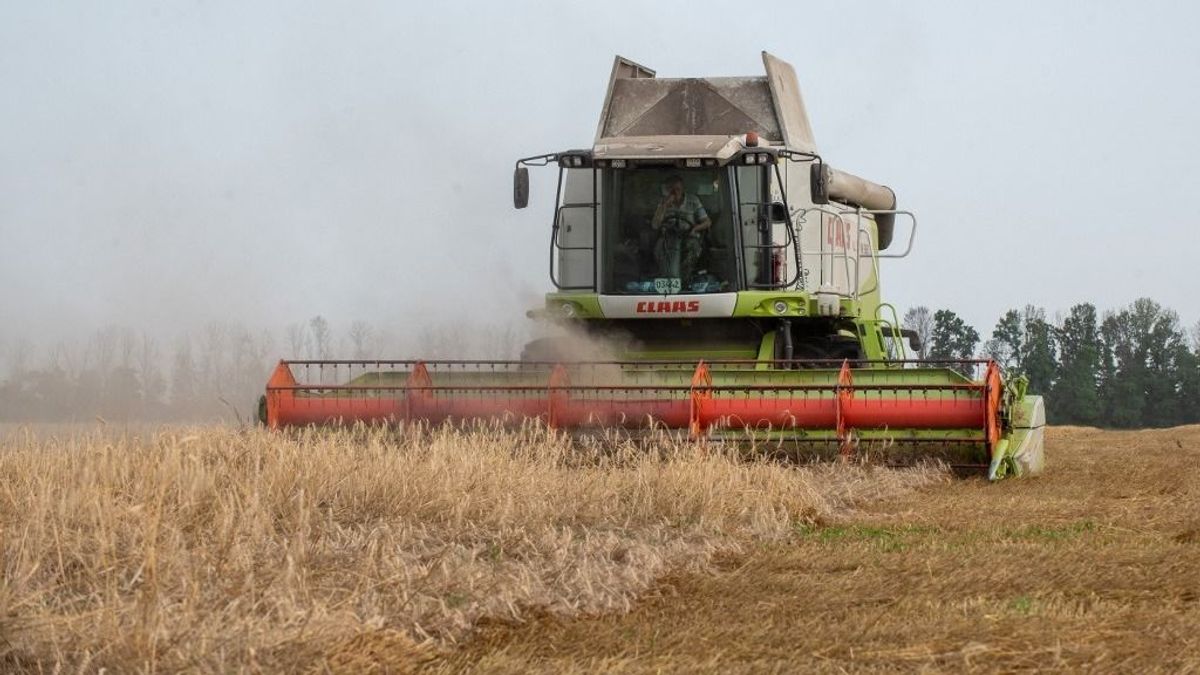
{"x": 819, "y": 183}
{"x": 521, "y": 187}
{"x": 779, "y": 212}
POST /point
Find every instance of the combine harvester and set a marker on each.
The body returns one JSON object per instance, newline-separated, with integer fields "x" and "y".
{"x": 733, "y": 276}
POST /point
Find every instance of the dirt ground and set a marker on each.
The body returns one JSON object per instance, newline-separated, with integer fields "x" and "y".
{"x": 1093, "y": 566}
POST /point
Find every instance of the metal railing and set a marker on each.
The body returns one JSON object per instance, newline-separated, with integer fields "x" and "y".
{"x": 850, "y": 254}
{"x": 893, "y": 326}
{"x": 826, "y": 277}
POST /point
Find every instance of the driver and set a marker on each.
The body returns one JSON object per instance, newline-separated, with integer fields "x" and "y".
{"x": 678, "y": 222}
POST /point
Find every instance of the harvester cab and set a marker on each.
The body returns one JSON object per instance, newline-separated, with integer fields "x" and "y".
{"x": 732, "y": 276}
{"x": 706, "y": 199}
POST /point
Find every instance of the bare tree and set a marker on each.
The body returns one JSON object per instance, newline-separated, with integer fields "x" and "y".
{"x": 67, "y": 358}
{"x": 297, "y": 335}
{"x": 214, "y": 367}
{"x": 919, "y": 319}
{"x": 149, "y": 370}
{"x": 442, "y": 341}
{"x": 183, "y": 380}
{"x": 17, "y": 357}
{"x": 266, "y": 347}
{"x": 322, "y": 338}
{"x": 121, "y": 394}
{"x": 244, "y": 367}
{"x": 360, "y": 335}
{"x": 264, "y": 354}
{"x": 126, "y": 347}
{"x": 102, "y": 350}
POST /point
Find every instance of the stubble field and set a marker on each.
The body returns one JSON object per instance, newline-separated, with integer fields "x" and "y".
{"x": 221, "y": 550}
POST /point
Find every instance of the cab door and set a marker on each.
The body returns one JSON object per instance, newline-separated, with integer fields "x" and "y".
{"x": 574, "y": 240}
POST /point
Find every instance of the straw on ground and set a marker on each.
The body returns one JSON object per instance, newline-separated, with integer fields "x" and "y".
{"x": 223, "y": 550}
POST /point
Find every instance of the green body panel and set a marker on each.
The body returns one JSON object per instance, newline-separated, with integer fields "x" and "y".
{"x": 766, "y": 351}
{"x": 867, "y": 329}
{"x": 1026, "y": 452}
{"x": 760, "y": 304}
{"x": 587, "y": 305}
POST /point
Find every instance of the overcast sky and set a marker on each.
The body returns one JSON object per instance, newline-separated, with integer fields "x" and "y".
{"x": 167, "y": 164}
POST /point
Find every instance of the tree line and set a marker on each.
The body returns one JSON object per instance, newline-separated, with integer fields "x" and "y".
{"x": 214, "y": 373}
{"x": 1129, "y": 368}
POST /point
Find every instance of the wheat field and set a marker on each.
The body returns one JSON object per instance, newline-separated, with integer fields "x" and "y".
{"x": 1093, "y": 566}
{"x": 241, "y": 550}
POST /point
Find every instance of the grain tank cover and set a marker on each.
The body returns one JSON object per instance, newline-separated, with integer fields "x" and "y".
{"x": 640, "y": 105}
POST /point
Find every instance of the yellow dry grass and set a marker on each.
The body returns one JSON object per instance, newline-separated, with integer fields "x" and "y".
{"x": 1092, "y": 567}
{"x": 220, "y": 550}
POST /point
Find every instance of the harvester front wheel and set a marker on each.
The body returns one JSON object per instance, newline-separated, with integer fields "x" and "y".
{"x": 819, "y": 351}
{"x": 544, "y": 349}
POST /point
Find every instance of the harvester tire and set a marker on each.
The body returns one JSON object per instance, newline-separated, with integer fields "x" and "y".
{"x": 544, "y": 349}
